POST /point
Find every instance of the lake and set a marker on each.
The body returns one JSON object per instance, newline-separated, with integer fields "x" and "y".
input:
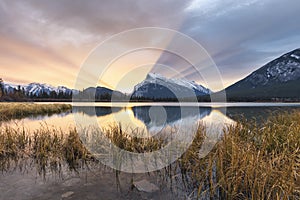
{"x": 147, "y": 119}
{"x": 175, "y": 123}
{"x": 138, "y": 115}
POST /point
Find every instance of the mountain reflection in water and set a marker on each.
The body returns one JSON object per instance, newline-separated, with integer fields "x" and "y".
{"x": 147, "y": 118}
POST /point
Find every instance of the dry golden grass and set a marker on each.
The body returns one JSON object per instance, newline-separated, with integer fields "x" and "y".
{"x": 46, "y": 148}
{"x": 20, "y": 110}
{"x": 132, "y": 142}
{"x": 250, "y": 162}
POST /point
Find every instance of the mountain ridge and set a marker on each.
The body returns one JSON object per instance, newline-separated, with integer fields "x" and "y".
{"x": 279, "y": 78}
{"x": 156, "y": 86}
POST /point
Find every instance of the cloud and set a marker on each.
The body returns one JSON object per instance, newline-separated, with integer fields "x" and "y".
{"x": 242, "y": 36}
{"x": 90, "y": 18}
{"x": 239, "y": 35}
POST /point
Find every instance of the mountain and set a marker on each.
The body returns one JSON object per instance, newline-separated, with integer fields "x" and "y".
{"x": 103, "y": 93}
{"x": 278, "y": 79}
{"x": 39, "y": 90}
{"x": 156, "y": 86}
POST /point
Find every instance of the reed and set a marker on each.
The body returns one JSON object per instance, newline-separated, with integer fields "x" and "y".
{"x": 20, "y": 110}
{"x": 45, "y": 149}
{"x": 251, "y": 161}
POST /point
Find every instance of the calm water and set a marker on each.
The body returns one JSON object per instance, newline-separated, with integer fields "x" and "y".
{"x": 152, "y": 116}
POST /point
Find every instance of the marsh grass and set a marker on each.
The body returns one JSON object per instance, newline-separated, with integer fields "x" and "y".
{"x": 251, "y": 161}
{"x": 129, "y": 140}
{"x": 19, "y": 110}
{"x": 45, "y": 149}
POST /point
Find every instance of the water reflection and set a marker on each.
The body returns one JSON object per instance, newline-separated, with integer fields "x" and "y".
{"x": 98, "y": 111}
{"x": 142, "y": 117}
{"x": 146, "y": 119}
{"x": 173, "y": 113}
{"x": 149, "y": 119}
{"x": 175, "y": 126}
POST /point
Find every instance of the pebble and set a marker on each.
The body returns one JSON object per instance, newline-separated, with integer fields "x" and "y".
{"x": 145, "y": 186}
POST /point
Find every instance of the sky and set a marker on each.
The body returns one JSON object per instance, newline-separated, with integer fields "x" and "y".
{"x": 49, "y": 41}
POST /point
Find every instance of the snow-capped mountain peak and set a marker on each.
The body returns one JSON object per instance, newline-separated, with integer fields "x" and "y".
{"x": 158, "y": 86}
{"x": 181, "y": 82}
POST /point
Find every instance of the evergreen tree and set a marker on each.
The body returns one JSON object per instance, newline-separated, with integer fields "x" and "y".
{"x": 1, "y": 87}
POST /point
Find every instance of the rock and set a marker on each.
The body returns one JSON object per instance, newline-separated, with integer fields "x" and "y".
{"x": 71, "y": 182}
{"x": 145, "y": 186}
{"x": 67, "y": 194}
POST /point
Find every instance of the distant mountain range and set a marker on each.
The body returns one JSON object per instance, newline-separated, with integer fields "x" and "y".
{"x": 46, "y": 91}
{"x": 277, "y": 80}
{"x": 39, "y": 90}
{"x": 154, "y": 87}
